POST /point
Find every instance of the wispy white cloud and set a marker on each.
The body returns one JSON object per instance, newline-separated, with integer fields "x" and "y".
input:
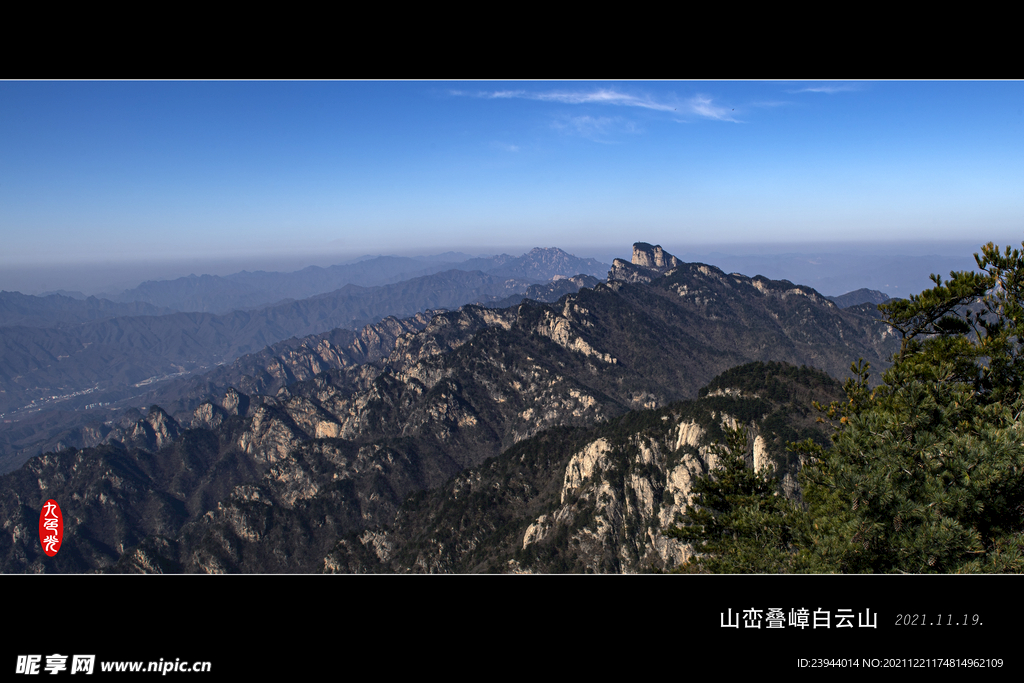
{"x": 602, "y": 96}
{"x": 504, "y": 94}
{"x": 828, "y": 89}
{"x": 700, "y": 105}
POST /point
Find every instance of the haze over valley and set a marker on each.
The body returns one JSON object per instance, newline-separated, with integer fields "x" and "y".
{"x": 71, "y": 360}
{"x": 453, "y": 387}
{"x": 387, "y": 327}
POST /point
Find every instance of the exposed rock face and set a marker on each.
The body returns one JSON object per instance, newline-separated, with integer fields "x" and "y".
{"x": 595, "y": 502}
{"x": 582, "y": 466}
{"x": 330, "y": 445}
{"x": 165, "y": 428}
{"x": 621, "y": 271}
{"x": 104, "y": 362}
{"x": 649, "y": 263}
{"x": 657, "y": 487}
{"x": 271, "y": 436}
{"x": 560, "y": 331}
{"x": 653, "y": 257}
{"x": 208, "y": 415}
{"x": 235, "y": 402}
{"x": 152, "y": 432}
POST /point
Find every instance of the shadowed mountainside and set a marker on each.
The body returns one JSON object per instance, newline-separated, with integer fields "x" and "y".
{"x": 247, "y": 290}
{"x": 273, "y": 482}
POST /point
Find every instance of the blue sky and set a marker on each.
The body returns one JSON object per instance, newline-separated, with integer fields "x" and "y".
{"x": 144, "y": 171}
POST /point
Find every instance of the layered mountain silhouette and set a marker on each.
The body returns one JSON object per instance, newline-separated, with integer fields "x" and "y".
{"x": 17, "y": 309}
{"x": 859, "y": 296}
{"x": 594, "y": 499}
{"x": 271, "y": 477}
{"x": 59, "y": 353}
{"x": 247, "y": 290}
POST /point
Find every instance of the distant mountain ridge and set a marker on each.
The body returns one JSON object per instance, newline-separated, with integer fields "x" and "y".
{"x": 58, "y": 352}
{"x": 58, "y": 309}
{"x": 246, "y": 290}
{"x": 595, "y": 499}
{"x": 542, "y": 265}
{"x": 273, "y": 482}
{"x": 113, "y": 352}
{"x": 860, "y": 296}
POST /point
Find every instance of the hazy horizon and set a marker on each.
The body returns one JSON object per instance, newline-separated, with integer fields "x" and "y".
{"x": 155, "y": 180}
{"x": 816, "y": 265}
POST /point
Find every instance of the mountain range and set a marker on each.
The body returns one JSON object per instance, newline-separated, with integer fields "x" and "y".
{"x": 247, "y": 290}
{"x": 59, "y": 354}
{"x": 317, "y": 447}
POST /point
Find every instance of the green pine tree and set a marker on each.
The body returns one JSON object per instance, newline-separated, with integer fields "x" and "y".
{"x": 737, "y": 522}
{"x": 925, "y": 478}
{"x": 925, "y": 472}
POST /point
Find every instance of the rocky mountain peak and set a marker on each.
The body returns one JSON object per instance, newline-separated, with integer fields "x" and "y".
{"x": 234, "y": 402}
{"x": 653, "y": 256}
{"x": 284, "y": 461}
{"x": 649, "y": 263}
{"x": 542, "y": 264}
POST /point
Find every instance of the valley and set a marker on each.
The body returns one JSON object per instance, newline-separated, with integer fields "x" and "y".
{"x": 92, "y": 358}
{"x": 302, "y": 457}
